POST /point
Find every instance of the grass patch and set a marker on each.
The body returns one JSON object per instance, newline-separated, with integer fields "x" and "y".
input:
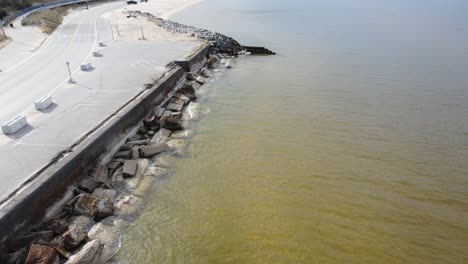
{"x": 47, "y": 20}
{"x": 4, "y": 40}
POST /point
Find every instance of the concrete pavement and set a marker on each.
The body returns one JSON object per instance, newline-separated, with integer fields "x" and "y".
{"x": 117, "y": 76}
{"x": 73, "y": 42}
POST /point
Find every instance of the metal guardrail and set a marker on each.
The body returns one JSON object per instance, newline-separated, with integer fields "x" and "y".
{"x": 41, "y": 7}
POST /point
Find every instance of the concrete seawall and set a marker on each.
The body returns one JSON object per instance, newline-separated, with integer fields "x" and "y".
{"x": 195, "y": 61}
{"x": 28, "y": 205}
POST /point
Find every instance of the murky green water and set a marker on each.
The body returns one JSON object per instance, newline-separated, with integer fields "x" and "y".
{"x": 350, "y": 146}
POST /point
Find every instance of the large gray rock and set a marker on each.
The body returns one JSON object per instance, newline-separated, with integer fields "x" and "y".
{"x": 196, "y": 85}
{"x": 182, "y": 97}
{"x": 92, "y": 206}
{"x": 200, "y": 80}
{"x": 153, "y": 149}
{"x": 136, "y": 137}
{"x": 126, "y": 146}
{"x": 158, "y": 111}
{"x": 189, "y": 91}
{"x": 135, "y": 152}
{"x": 113, "y": 165}
{"x": 104, "y": 193}
{"x": 138, "y": 142}
{"x": 77, "y": 231}
{"x": 150, "y": 121}
{"x": 86, "y": 205}
{"x": 104, "y": 208}
{"x": 166, "y": 114}
{"x": 117, "y": 179}
{"x": 211, "y": 62}
{"x": 161, "y": 135}
{"x": 130, "y": 168}
{"x": 125, "y": 154}
{"x": 175, "y": 105}
{"x": 89, "y": 254}
{"x": 190, "y": 76}
{"x": 172, "y": 122}
{"x": 88, "y": 184}
{"x": 100, "y": 173}
{"x": 58, "y": 226}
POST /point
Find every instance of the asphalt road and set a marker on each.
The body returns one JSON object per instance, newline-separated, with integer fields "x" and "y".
{"x": 115, "y": 78}
{"x": 44, "y": 70}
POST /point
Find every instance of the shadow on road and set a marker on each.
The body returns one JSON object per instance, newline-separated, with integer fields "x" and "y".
{"x": 49, "y": 109}
{"x": 90, "y": 69}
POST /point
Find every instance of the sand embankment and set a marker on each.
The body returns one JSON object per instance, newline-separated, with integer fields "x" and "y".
{"x": 125, "y": 27}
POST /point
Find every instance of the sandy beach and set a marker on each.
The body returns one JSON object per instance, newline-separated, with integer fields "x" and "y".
{"x": 132, "y": 28}
{"x": 163, "y": 8}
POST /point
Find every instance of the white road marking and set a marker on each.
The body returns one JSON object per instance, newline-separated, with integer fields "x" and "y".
{"x": 140, "y": 63}
{"x": 80, "y": 105}
{"x": 39, "y": 145}
{"x": 38, "y": 51}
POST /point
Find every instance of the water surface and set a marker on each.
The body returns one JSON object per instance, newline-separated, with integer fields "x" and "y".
{"x": 350, "y": 145}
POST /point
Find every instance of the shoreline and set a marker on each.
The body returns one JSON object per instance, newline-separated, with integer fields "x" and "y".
{"x": 76, "y": 227}
{"x": 73, "y": 208}
{"x": 161, "y": 8}
{"x": 172, "y": 13}
{"x": 66, "y": 231}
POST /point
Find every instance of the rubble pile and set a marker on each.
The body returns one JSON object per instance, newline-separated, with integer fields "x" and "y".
{"x": 219, "y": 43}
{"x": 87, "y": 226}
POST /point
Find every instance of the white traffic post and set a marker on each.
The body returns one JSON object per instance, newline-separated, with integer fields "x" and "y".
{"x": 1, "y": 28}
{"x": 69, "y": 73}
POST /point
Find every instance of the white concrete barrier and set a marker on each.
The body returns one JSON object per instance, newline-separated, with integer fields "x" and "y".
{"x": 43, "y": 102}
{"x": 101, "y": 44}
{"x": 14, "y": 125}
{"x": 86, "y": 67}
{"x": 97, "y": 53}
